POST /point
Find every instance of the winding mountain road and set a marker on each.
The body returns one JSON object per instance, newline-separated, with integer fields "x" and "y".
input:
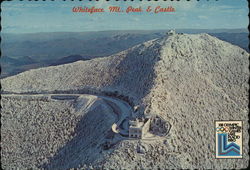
{"x": 121, "y": 108}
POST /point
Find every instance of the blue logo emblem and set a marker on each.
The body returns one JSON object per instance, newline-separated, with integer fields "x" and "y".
{"x": 227, "y": 149}
{"x": 228, "y": 139}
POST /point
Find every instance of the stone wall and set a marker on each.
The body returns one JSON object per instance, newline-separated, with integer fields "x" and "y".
{"x": 145, "y": 128}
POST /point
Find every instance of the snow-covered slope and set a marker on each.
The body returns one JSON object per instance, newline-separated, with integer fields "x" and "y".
{"x": 190, "y": 80}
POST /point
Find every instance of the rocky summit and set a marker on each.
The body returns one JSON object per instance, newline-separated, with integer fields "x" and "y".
{"x": 189, "y": 80}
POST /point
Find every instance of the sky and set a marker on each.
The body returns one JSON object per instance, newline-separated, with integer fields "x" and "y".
{"x": 57, "y": 16}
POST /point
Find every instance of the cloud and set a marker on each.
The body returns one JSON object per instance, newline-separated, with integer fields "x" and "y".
{"x": 57, "y": 15}
{"x": 202, "y": 17}
{"x": 104, "y": 4}
{"x": 179, "y": 5}
{"x": 20, "y": 5}
{"x": 135, "y": 19}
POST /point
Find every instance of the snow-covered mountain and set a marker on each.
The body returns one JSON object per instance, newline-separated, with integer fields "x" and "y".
{"x": 189, "y": 80}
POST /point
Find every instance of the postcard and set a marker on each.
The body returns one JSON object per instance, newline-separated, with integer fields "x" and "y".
{"x": 115, "y": 84}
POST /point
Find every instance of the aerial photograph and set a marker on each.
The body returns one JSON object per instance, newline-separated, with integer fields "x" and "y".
{"x": 124, "y": 85}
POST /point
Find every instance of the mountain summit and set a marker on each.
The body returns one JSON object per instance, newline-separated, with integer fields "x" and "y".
{"x": 188, "y": 80}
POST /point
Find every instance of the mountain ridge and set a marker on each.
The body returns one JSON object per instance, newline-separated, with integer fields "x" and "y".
{"x": 188, "y": 80}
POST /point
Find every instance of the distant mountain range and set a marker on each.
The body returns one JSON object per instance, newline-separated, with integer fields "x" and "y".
{"x": 21, "y": 52}
{"x": 17, "y": 61}
{"x": 12, "y": 66}
{"x": 239, "y": 39}
{"x": 69, "y": 59}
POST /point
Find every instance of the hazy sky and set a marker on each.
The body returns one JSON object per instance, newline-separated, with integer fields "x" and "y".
{"x": 53, "y": 16}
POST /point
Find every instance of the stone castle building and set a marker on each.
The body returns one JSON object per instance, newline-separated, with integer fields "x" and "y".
{"x": 138, "y": 128}
{"x": 171, "y": 32}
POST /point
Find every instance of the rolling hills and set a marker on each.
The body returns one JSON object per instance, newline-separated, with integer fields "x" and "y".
{"x": 49, "y": 48}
